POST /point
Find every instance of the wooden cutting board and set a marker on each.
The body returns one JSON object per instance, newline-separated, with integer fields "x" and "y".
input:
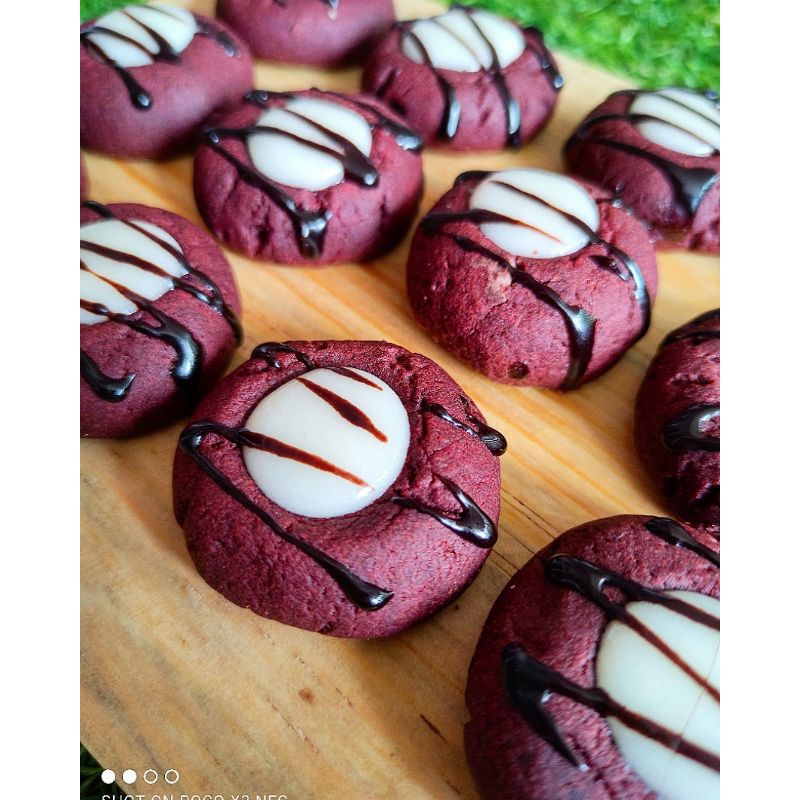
{"x": 176, "y": 677}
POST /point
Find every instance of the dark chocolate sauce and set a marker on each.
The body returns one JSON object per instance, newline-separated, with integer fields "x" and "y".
{"x": 494, "y": 440}
{"x": 140, "y": 97}
{"x": 695, "y": 330}
{"x": 675, "y": 534}
{"x": 685, "y": 432}
{"x": 357, "y": 167}
{"x": 545, "y": 59}
{"x": 188, "y": 351}
{"x": 332, "y": 4}
{"x": 220, "y": 37}
{"x": 188, "y": 365}
{"x": 113, "y": 390}
{"x": 405, "y": 138}
{"x": 269, "y": 444}
{"x": 472, "y": 524}
{"x": 309, "y": 226}
{"x": 452, "y": 108}
{"x": 616, "y": 261}
{"x": 268, "y": 351}
{"x": 362, "y": 593}
{"x": 355, "y": 376}
{"x": 345, "y": 409}
{"x": 690, "y": 184}
{"x": 529, "y": 683}
{"x": 580, "y": 323}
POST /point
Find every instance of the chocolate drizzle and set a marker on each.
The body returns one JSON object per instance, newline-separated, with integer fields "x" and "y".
{"x": 362, "y": 593}
{"x": 675, "y": 534}
{"x": 472, "y": 524}
{"x": 344, "y": 408}
{"x": 188, "y": 351}
{"x": 204, "y": 28}
{"x": 685, "y": 432}
{"x": 309, "y": 225}
{"x": 494, "y": 440}
{"x": 690, "y": 184}
{"x": 580, "y": 323}
{"x": 333, "y": 5}
{"x": 452, "y": 108}
{"x": 140, "y": 97}
{"x": 696, "y": 330}
{"x": 528, "y": 683}
{"x": 268, "y": 350}
{"x": 113, "y": 390}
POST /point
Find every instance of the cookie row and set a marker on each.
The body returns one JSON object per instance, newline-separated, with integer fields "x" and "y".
{"x": 157, "y": 78}
{"x": 314, "y": 481}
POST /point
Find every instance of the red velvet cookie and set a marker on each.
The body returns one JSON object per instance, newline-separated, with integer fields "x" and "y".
{"x": 349, "y": 488}
{"x": 677, "y": 418}
{"x": 596, "y": 676}
{"x": 323, "y": 33}
{"x": 151, "y": 74}
{"x": 309, "y": 177}
{"x": 659, "y": 151}
{"x": 159, "y": 322}
{"x": 531, "y": 277}
{"x": 467, "y": 79}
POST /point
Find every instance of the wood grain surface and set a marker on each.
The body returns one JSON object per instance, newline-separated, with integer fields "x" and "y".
{"x": 176, "y": 677}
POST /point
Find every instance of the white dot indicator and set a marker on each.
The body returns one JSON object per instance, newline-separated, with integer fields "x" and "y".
{"x": 171, "y": 776}
{"x": 150, "y": 776}
{"x": 129, "y": 776}
{"x": 108, "y": 776}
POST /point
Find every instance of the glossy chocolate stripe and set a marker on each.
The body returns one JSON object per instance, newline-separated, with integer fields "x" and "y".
{"x": 345, "y": 409}
{"x": 528, "y": 683}
{"x": 113, "y": 390}
{"x": 685, "y": 432}
{"x": 362, "y": 593}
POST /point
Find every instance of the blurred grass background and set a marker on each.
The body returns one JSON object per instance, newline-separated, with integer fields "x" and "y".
{"x": 653, "y": 42}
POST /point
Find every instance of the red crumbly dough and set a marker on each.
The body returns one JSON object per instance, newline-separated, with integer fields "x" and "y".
{"x": 684, "y": 373}
{"x": 308, "y": 31}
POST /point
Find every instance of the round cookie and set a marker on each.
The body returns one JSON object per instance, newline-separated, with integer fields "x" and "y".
{"x": 309, "y": 177}
{"x": 323, "y": 33}
{"x": 159, "y": 317}
{"x": 531, "y": 277}
{"x": 677, "y": 422}
{"x": 659, "y": 151}
{"x": 596, "y": 675}
{"x": 467, "y": 79}
{"x": 151, "y": 74}
{"x": 349, "y": 488}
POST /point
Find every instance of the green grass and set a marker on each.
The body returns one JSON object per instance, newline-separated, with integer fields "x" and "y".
{"x": 92, "y": 788}
{"x": 653, "y": 42}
